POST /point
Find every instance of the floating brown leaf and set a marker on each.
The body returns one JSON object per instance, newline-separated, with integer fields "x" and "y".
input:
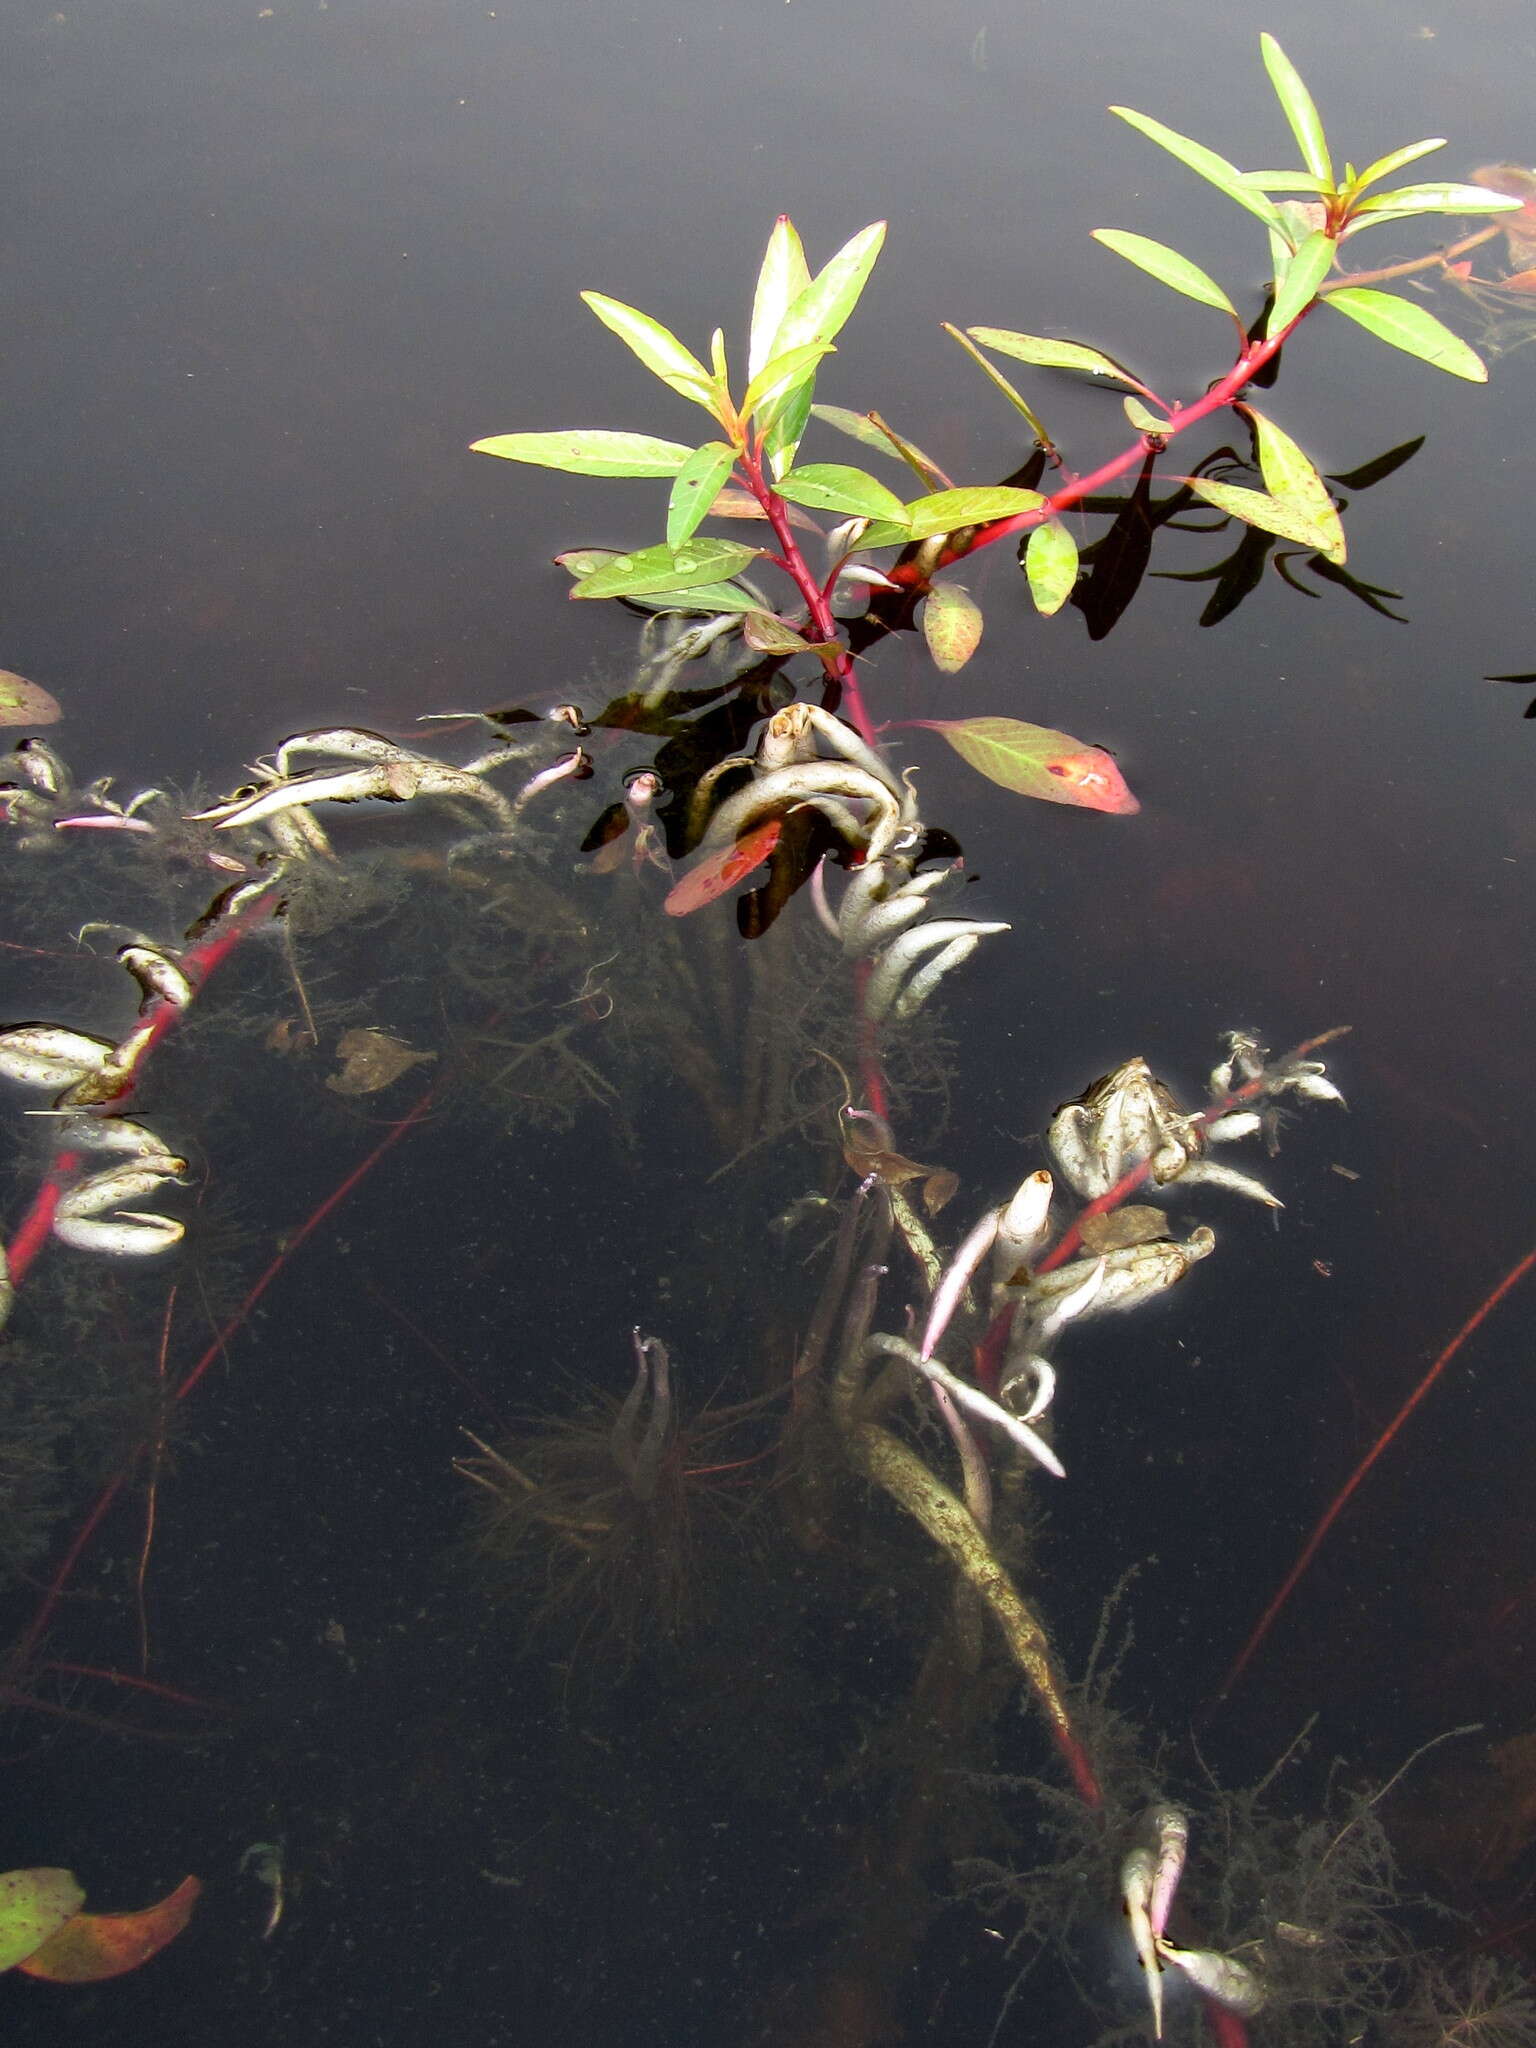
{"x": 24, "y": 703}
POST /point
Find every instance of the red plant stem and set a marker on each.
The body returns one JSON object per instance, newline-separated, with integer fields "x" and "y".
{"x": 794, "y": 564}
{"x": 32, "y": 1231}
{"x": 306, "y": 1229}
{"x": 28, "y": 1642}
{"x": 46, "y": 1607}
{"x": 1253, "y": 359}
{"x": 1351, "y": 1486}
{"x": 126, "y": 1678}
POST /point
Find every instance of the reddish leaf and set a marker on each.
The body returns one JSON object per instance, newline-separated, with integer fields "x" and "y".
{"x": 719, "y": 872}
{"x": 97, "y": 1945}
{"x": 1036, "y": 761}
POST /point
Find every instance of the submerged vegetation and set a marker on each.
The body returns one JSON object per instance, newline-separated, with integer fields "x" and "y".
{"x": 507, "y": 957}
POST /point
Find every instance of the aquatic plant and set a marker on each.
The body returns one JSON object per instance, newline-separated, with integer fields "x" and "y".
{"x": 907, "y": 1411}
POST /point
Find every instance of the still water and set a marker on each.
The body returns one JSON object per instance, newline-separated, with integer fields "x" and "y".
{"x": 268, "y": 271}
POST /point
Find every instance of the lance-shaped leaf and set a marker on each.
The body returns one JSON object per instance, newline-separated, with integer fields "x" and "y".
{"x": 657, "y": 347}
{"x": 830, "y": 487}
{"x": 696, "y": 597}
{"x": 817, "y": 314}
{"x": 1291, "y": 478}
{"x": 872, "y": 431}
{"x": 1401, "y": 324}
{"x": 1296, "y": 286}
{"x": 783, "y": 276}
{"x": 695, "y": 487}
{"x": 1048, "y": 354}
{"x": 781, "y": 375}
{"x": 650, "y": 570}
{"x": 1050, "y": 563}
{"x": 768, "y": 634}
{"x": 715, "y": 873}
{"x": 1226, "y": 177}
{"x": 1016, "y": 399}
{"x": 1035, "y": 761}
{"x": 1167, "y": 266}
{"x": 979, "y": 505}
{"x": 1408, "y": 200}
{"x": 1288, "y": 181}
{"x": 1258, "y": 508}
{"x": 1297, "y": 106}
{"x": 1395, "y": 160}
{"x": 589, "y": 451}
{"x": 952, "y": 625}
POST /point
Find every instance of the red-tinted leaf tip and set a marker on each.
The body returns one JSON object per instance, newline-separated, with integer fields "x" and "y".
{"x": 1091, "y": 780}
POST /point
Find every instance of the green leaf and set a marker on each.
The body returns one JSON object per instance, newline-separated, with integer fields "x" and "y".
{"x": 1015, "y": 398}
{"x": 764, "y": 633}
{"x": 1291, "y": 477}
{"x": 33, "y": 1905}
{"x": 1296, "y": 287}
{"x": 1288, "y": 181}
{"x": 943, "y": 511}
{"x": 1167, "y": 266}
{"x": 695, "y": 487}
{"x": 1297, "y": 106}
{"x": 1226, "y": 177}
{"x": 1050, "y": 563}
{"x": 776, "y": 377}
{"x": 1407, "y": 200}
{"x": 864, "y": 428}
{"x": 589, "y": 451}
{"x": 1143, "y": 421}
{"x": 783, "y": 277}
{"x": 829, "y": 487}
{"x": 1401, "y": 324}
{"x": 952, "y": 626}
{"x": 1047, "y": 354}
{"x": 1394, "y": 160}
{"x": 782, "y": 422}
{"x": 1258, "y": 508}
{"x": 1035, "y": 761}
{"x": 818, "y": 313}
{"x": 698, "y": 597}
{"x": 657, "y": 347}
{"x": 655, "y": 569}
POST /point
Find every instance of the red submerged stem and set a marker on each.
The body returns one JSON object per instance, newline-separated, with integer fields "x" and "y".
{"x": 1352, "y": 1484}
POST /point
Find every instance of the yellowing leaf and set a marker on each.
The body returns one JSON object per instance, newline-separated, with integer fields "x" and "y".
{"x": 1258, "y": 508}
{"x": 24, "y": 703}
{"x": 1050, "y": 563}
{"x": 1035, "y": 761}
{"x": 1292, "y": 479}
{"x": 33, "y": 1905}
{"x": 952, "y": 626}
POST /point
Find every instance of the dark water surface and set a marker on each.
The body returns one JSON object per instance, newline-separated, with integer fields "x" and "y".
{"x": 268, "y": 271}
